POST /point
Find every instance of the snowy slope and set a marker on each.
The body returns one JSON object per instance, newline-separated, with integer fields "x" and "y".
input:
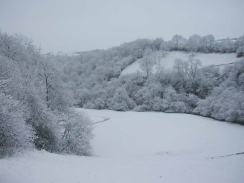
{"x": 145, "y": 147}
{"x": 167, "y": 62}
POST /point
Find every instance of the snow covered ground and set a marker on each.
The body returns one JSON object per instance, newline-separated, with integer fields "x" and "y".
{"x": 167, "y": 62}
{"x": 146, "y": 147}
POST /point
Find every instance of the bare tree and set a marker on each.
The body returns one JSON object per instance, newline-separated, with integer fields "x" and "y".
{"x": 147, "y": 62}
{"x": 187, "y": 69}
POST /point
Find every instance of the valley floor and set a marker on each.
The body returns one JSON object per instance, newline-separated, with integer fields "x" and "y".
{"x": 147, "y": 147}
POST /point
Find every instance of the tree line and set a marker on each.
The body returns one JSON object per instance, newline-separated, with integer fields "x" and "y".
{"x": 35, "y": 104}
{"x": 95, "y": 81}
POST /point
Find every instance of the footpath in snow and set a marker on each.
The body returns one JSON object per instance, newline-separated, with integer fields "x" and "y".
{"x": 149, "y": 147}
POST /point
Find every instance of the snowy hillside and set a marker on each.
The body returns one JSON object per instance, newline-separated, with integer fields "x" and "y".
{"x": 167, "y": 62}
{"x": 141, "y": 147}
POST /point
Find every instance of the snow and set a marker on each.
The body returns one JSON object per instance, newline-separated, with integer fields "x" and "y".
{"x": 146, "y": 147}
{"x": 167, "y": 62}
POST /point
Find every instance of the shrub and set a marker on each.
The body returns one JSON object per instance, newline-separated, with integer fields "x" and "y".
{"x": 15, "y": 134}
{"x": 77, "y": 134}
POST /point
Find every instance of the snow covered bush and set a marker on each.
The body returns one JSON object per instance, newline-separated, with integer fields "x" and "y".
{"x": 192, "y": 101}
{"x": 132, "y": 83}
{"x": 15, "y": 134}
{"x": 174, "y": 102}
{"x": 165, "y": 105}
{"x": 157, "y": 104}
{"x": 76, "y": 134}
{"x": 94, "y": 99}
{"x": 177, "y": 107}
{"x": 240, "y": 51}
{"x": 83, "y": 96}
{"x": 204, "y": 82}
{"x": 95, "y": 104}
{"x": 240, "y": 46}
{"x": 99, "y": 103}
{"x": 203, "y": 107}
{"x": 224, "y": 105}
{"x": 89, "y": 105}
{"x": 43, "y": 122}
{"x": 121, "y": 101}
{"x": 226, "y": 101}
{"x": 170, "y": 94}
{"x": 141, "y": 108}
{"x": 143, "y": 97}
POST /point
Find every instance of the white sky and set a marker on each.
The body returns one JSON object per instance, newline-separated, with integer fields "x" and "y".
{"x": 81, "y": 25}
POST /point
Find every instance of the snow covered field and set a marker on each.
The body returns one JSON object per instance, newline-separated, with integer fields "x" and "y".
{"x": 167, "y": 62}
{"x": 146, "y": 147}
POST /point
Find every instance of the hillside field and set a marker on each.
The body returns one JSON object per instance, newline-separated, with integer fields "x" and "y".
{"x": 167, "y": 62}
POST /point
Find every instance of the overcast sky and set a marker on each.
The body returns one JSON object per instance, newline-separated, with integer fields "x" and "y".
{"x": 81, "y": 25}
